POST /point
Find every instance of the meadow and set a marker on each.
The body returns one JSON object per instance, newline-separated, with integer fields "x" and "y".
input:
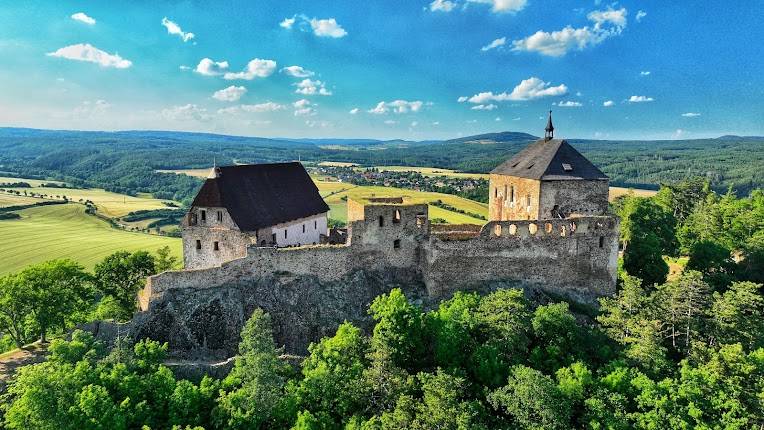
{"x": 66, "y": 231}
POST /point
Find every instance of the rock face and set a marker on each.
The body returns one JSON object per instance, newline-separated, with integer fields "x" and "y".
{"x": 204, "y": 323}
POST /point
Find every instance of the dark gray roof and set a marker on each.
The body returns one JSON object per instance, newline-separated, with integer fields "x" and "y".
{"x": 544, "y": 160}
{"x": 262, "y": 195}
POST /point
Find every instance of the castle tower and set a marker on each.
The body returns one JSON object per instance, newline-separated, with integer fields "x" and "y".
{"x": 547, "y": 179}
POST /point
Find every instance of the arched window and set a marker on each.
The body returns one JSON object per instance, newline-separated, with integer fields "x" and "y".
{"x": 397, "y": 217}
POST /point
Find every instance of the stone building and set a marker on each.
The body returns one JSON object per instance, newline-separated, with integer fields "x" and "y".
{"x": 563, "y": 243}
{"x": 252, "y": 205}
{"x": 548, "y": 179}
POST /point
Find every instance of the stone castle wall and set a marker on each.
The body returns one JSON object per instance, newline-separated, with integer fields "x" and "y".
{"x": 500, "y": 203}
{"x": 584, "y": 198}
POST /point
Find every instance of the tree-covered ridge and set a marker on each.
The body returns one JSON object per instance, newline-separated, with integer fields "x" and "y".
{"x": 126, "y": 162}
{"x": 491, "y": 362}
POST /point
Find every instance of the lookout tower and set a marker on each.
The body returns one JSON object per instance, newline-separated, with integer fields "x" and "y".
{"x": 548, "y": 179}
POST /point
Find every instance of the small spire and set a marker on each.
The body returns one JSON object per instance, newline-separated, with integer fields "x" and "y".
{"x": 215, "y": 172}
{"x": 549, "y": 130}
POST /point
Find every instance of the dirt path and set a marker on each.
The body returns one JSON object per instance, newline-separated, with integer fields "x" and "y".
{"x": 12, "y": 360}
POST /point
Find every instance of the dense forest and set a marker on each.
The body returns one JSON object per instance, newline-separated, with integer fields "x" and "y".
{"x": 126, "y": 162}
{"x": 666, "y": 352}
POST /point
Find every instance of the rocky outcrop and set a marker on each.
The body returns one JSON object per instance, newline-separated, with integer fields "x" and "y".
{"x": 204, "y": 323}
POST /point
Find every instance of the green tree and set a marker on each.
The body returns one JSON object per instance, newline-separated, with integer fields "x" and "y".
{"x": 121, "y": 275}
{"x": 684, "y": 304}
{"x": 738, "y": 315}
{"x": 57, "y": 290}
{"x": 643, "y": 258}
{"x": 533, "y": 400}
{"x": 714, "y": 261}
{"x": 164, "y": 260}
{"x": 399, "y": 329}
{"x": 15, "y": 307}
{"x": 557, "y": 341}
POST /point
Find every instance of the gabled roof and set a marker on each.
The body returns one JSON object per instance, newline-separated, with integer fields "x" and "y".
{"x": 550, "y": 160}
{"x": 262, "y": 195}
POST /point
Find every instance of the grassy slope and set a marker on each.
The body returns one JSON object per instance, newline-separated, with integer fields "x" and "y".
{"x": 65, "y": 231}
{"x": 14, "y": 200}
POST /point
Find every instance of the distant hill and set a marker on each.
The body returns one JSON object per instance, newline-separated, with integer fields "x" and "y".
{"x": 126, "y": 161}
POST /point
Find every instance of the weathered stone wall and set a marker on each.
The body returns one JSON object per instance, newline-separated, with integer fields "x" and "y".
{"x": 575, "y": 258}
{"x": 502, "y": 206}
{"x": 585, "y": 198}
{"x": 303, "y": 231}
{"x": 216, "y": 226}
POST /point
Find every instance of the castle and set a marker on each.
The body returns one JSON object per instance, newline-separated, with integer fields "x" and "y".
{"x": 548, "y": 230}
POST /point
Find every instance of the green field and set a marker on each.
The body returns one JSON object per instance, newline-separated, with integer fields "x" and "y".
{"x": 65, "y": 231}
{"x": 7, "y": 200}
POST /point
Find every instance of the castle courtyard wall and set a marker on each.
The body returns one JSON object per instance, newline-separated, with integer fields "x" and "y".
{"x": 584, "y": 198}
{"x": 500, "y": 204}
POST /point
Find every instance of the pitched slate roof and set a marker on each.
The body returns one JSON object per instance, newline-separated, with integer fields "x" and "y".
{"x": 262, "y": 195}
{"x": 550, "y": 160}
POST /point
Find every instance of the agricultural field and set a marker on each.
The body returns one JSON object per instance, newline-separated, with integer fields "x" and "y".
{"x": 66, "y": 231}
{"x": 32, "y": 182}
{"x": 620, "y": 191}
{"x": 7, "y": 200}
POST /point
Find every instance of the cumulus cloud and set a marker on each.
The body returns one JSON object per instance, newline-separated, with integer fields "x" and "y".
{"x": 528, "y": 89}
{"x": 495, "y": 44}
{"x": 462, "y": 99}
{"x": 208, "y": 67}
{"x": 90, "y": 109}
{"x": 608, "y": 103}
{"x": 304, "y": 107}
{"x": 184, "y": 67}
{"x": 644, "y": 73}
{"x": 569, "y": 104}
{"x": 81, "y": 17}
{"x": 390, "y": 122}
{"x": 690, "y": 114}
{"x": 287, "y": 23}
{"x": 309, "y": 87}
{"x": 256, "y": 68}
{"x": 354, "y": 111}
{"x": 188, "y": 112}
{"x": 297, "y": 72}
{"x": 397, "y": 106}
{"x": 230, "y": 94}
{"x": 256, "y": 108}
{"x": 503, "y": 6}
{"x": 607, "y": 23}
{"x": 327, "y": 27}
{"x": 91, "y": 54}
{"x": 442, "y": 6}
{"x": 640, "y": 99}
{"x": 322, "y": 124}
{"x": 640, "y": 14}
{"x": 484, "y": 107}
{"x": 174, "y": 28}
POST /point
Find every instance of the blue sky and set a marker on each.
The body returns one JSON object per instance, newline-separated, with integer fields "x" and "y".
{"x": 385, "y": 69}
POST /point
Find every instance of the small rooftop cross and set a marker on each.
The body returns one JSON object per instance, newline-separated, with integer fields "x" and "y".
{"x": 549, "y": 130}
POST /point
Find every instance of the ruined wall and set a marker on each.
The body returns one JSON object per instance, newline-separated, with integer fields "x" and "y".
{"x": 585, "y": 198}
{"x": 210, "y": 237}
{"x": 575, "y": 258}
{"x": 303, "y": 231}
{"x": 502, "y": 207}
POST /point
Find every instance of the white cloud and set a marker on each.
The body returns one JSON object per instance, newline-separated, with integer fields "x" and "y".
{"x": 263, "y": 107}
{"x": 173, "y": 28}
{"x": 287, "y": 23}
{"x": 256, "y": 68}
{"x": 81, "y": 17}
{"x": 498, "y": 118}
{"x": 690, "y": 114}
{"x": 91, "y": 54}
{"x": 462, "y": 99}
{"x": 503, "y": 6}
{"x": 230, "y": 94}
{"x": 304, "y": 107}
{"x": 484, "y": 107}
{"x": 297, "y": 72}
{"x": 354, "y": 111}
{"x": 189, "y": 112}
{"x": 569, "y": 104}
{"x": 207, "y": 67}
{"x": 495, "y": 44}
{"x": 397, "y": 106}
{"x": 322, "y": 124}
{"x": 390, "y": 122}
{"x": 529, "y": 89}
{"x": 309, "y": 87}
{"x": 184, "y": 67}
{"x": 644, "y": 73}
{"x": 678, "y": 133}
{"x": 90, "y": 109}
{"x": 607, "y": 23}
{"x": 608, "y": 103}
{"x": 442, "y": 6}
{"x": 640, "y": 99}
{"x": 414, "y": 123}
{"x": 327, "y": 28}
{"x": 641, "y": 14}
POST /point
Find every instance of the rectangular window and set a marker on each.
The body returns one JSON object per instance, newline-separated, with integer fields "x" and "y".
{"x": 285, "y": 233}
{"x": 505, "y": 192}
{"x": 273, "y": 238}
{"x": 315, "y": 225}
{"x": 204, "y": 216}
{"x": 198, "y": 244}
{"x": 512, "y": 193}
{"x": 215, "y": 246}
{"x": 303, "y": 228}
{"x": 602, "y": 241}
{"x": 220, "y": 216}
{"x": 396, "y": 244}
{"x": 528, "y": 200}
{"x": 381, "y": 221}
